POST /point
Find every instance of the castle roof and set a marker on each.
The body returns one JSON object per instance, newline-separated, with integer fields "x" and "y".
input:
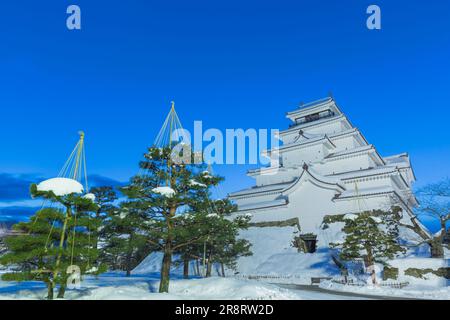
{"x": 314, "y": 107}
{"x": 318, "y": 139}
{"x": 365, "y": 192}
{"x": 359, "y": 150}
{"x": 327, "y": 182}
{"x": 256, "y": 190}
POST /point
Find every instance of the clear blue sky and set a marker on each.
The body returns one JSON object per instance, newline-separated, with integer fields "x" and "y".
{"x": 232, "y": 64}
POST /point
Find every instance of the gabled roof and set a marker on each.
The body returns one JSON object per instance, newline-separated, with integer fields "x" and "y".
{"x": 353, "y": 131}
{"x": 315, "y": 123}
{"x": 311, "y": 105}
{"x": 350, "y": 175}
{"x": 397, "y": 158}
{"x": 264, "y": 205}
{"x": 402, "y": 162}
{"x": 365, "y": 192}
{"x": 314, "y": 107}
{"x": 317, "y": 179}
{"x": 254, "y": 191}
{"x": 319, "y": 139}
{"x": 286, "y": 188}
{"x": 350, "y": 151}
{"x": 369, "y": 148}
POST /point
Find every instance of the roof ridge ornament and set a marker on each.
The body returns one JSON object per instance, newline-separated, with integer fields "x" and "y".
{"x": 305, "y": 166}
{"x": 330, "y": 94}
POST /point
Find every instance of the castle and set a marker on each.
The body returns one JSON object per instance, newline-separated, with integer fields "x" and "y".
{"x": 325, "y": 167}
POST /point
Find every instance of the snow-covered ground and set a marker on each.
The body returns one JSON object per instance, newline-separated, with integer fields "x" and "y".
{"x": 115, "y": 286}
{"x": 411, "y": 291}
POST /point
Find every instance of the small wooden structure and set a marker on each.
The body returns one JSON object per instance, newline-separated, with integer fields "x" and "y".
{"x": 306, "y": 243}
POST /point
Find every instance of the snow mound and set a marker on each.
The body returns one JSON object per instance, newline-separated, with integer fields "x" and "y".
{"x": 317, "y": 264}
{"x": 199, "y": 289}
{"x": 217, "y": 288}
{"x": 276, "y": 259}
{"x": 165, "y": 191}
{"x": 60, "y": 186}
{"x": 265, "y": 243}
{"x": 153, "y": 263}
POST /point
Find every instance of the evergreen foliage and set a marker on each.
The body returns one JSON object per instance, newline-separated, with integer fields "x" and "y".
{"x": 174, "y": 195}
{"x": 371, "y": 236}
{"x": 125, "y": 236}
{"x": 54, "y": 239}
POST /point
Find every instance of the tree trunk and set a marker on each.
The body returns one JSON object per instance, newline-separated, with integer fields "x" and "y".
{"x": 61, "y": 244}
{"x": 371, "y": 265}
{"x": 437, "y": 250}
{"x": 167, "y": 260}
{"x": 128, "y": 264}
{"x": 61, "y": 291}
{"x": 50, "y": 290}
{"x": 223, "y": 269}
{"x": 197, "y": 264}
{"x": 129, "y": 256}
{"x": 186, "y": 267}
{"x": 208, "y": 267}
{"x": 165, "y": 269}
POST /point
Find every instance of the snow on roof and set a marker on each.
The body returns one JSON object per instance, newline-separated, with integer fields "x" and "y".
{"x": 164, "y": 191}
{"x": 364, "y": 172}
{"x": 326, "y": 179}
{"x": 261, "y": 189}
{"x": 312, "y": 124}
{"x": 399, "y": 160}
{"x": 263, "y": 204}
{"x": 313, "y": 104}
{"x": 61, "y": 186}
{"x": 365, "y": 192}
{"x": 402, "y": 157}
{"x": 303, "y": 142}
{"x": 281, "y": 187}
{"x": 314, "y": 107}
{"x": 350, "y": 151}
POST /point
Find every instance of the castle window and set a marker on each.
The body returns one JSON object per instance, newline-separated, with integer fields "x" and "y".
{"x": 312, "y": 117}
{"x": 315, "y": 117}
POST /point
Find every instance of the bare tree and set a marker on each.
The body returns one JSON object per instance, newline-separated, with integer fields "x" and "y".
{"x": 435, "y": 204}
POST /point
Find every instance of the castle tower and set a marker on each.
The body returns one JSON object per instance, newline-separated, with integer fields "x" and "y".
{"x": 325, "y": 167}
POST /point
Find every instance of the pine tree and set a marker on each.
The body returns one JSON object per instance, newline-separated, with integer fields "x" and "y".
{"x": 125, "y": 236}
{"x": 370, "y": 235}
{"x": 104, "y": 198}
{"x": 168, "y": 190}
{"x": 54, "y": 239}
{"x": 221, "y": 244}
